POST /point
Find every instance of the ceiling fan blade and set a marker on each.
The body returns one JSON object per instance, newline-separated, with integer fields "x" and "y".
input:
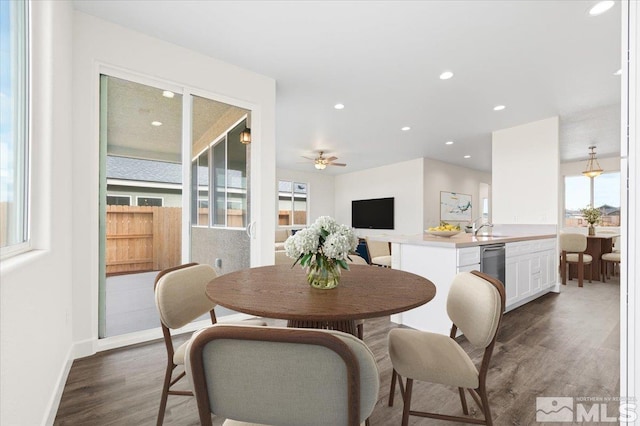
{"x": 330, "y": 159}
{"x": 308, "y": 158}
{"x": 337, "y": 164}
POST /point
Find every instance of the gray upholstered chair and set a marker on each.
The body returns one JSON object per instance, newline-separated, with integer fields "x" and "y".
{"x": 606, "y": 259}
{"x": 572, "y": 250}
{"x": 379, "y": 252}
{"x": 281, "y": 376}
{"x": 357, "y": 260}
{"x": 475, "y": 304}
{"x": 180, "y": 298}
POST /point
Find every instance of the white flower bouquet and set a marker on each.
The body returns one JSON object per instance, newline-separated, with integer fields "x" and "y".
{"x": 323, "y": 248}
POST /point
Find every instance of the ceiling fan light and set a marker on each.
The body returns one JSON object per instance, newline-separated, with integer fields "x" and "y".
{"x": 320, "y": 166}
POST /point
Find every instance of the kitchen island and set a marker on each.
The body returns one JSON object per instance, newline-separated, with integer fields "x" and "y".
{"x": 531, "y": 267}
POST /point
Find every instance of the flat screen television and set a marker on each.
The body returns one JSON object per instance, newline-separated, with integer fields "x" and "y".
{"x": 372, "y": 214}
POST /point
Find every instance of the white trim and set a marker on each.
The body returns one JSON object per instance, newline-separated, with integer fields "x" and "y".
{"x": 156, "y": 333}
{"x": 56, "y": 396}
{"x": 630, "y": 171}
{"x": 143, "y": 184}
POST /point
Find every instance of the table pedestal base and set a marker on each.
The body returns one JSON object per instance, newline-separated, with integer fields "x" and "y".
{"x": 347, "y": 326}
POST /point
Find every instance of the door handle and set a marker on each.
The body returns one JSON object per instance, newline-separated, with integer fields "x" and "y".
{"x": 249, "y": 230}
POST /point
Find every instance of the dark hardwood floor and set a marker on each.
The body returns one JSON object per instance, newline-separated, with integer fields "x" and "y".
{"x": 560, "y": 345}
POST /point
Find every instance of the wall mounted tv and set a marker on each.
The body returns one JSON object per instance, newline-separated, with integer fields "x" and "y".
{"x": 372, "y": 214}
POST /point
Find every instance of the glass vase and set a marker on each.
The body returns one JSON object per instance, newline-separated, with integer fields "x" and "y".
{"x": 325, "y": 276}
{"x": 592, "y": 229}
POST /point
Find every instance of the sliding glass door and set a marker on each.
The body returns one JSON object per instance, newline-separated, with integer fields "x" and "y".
{"x": 145, "y": 225}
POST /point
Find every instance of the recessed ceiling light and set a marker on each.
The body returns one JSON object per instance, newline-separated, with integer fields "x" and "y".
{"x": 446, "y": 75}
{"x": 168, "y": 94}
{"x": 338, "y": 106}
{"x": 601, "y": 7}
{"x": 405, "y": 128}
{"x": 499, "y": 107}
{"x": 619, "y": 72}
{"x": 467, "y": 156}
{"x": 448, "y": 143}
{"x": 156, "y": 123}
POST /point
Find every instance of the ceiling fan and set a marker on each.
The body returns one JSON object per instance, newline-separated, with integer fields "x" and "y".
{"x": 321, "y": 162}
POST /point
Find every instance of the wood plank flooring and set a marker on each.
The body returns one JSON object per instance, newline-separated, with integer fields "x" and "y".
{"x": 563, "y": 344}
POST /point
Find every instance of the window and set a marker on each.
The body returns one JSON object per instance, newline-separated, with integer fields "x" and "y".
{"x": 118, "y": 200}
{"x": 149, "y": 201}
{"x": 606, "y": 197}
{"x": 292, "y": 203}
{"x": 219, "y": 180}
{"x": 14, "y": 128}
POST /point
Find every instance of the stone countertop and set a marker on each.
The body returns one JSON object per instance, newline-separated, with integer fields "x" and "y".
{"x": 460, "y": 240}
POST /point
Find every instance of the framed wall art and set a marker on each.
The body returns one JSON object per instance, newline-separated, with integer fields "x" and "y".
{"x": 455, "y": 207}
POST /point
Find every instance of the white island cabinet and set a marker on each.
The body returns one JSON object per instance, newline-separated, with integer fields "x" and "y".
{"x": 530, "y": 272}
{"x": 440, "y": 265}
{"x": 531, "y": 268}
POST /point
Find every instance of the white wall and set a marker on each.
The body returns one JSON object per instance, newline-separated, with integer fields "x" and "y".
{"x": 525, "y": 169}
{"x": 319, "y": 190}
{"x": 440, "y": 176}
{"x": 96, "y": 44}
{"x": 35, "y": 288}
{"x": 403, "y": 181}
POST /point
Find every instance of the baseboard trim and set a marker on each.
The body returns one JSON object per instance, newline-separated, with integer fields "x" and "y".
{"x": 156, "y": 333}
{"x": 529, "y": 299}
{"x": 56, "y": 397}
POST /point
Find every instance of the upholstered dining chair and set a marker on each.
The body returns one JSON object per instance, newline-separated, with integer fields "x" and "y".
{"x": 281, "y": 376}
{"x": 475, "y": 304}
{"x": 379, "y": 252}
{"x": 180, "y": 298}
{"x": 572, "y": 250}
{"x": 357, "y": 260}
{"x": 606, "y": 259}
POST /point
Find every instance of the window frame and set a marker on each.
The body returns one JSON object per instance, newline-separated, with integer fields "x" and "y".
{"x": 292, "y": 199}
{"x": 24, "y": 124}
{"x": 118, "y": 195}
{"x": 138, "y": 197}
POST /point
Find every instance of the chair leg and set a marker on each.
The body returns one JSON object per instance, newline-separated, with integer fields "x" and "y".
{"x": 590, "y": 271}
{"x": 407, "y": 402}
{"x": 392, "y": 389}
{"x": 360, "y": 331}
{"x": 580, "y": 274}
{"x": 563, "y": 270}
{"x": 485, "y": 406}
{"x": 463, "y": 400}
{"x": 165, "y": 394}
{"x": 603, "y": 270}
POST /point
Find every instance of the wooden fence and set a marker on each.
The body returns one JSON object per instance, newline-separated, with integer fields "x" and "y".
{"x": 142, "y": 238}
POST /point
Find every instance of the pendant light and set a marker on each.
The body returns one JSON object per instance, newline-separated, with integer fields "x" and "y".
{"x": 593, "y": 167}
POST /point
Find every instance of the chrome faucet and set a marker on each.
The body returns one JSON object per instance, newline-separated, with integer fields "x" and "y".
{"x": 475, "y": 230}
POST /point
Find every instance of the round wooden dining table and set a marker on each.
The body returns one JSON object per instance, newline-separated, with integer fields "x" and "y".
{"x": 282, "y": 292}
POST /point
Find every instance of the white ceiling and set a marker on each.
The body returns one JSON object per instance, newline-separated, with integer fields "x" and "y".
{"x": 382, "y": 59}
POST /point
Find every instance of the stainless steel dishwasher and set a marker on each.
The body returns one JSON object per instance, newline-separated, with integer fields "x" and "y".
{"x": 492, "y": 260}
